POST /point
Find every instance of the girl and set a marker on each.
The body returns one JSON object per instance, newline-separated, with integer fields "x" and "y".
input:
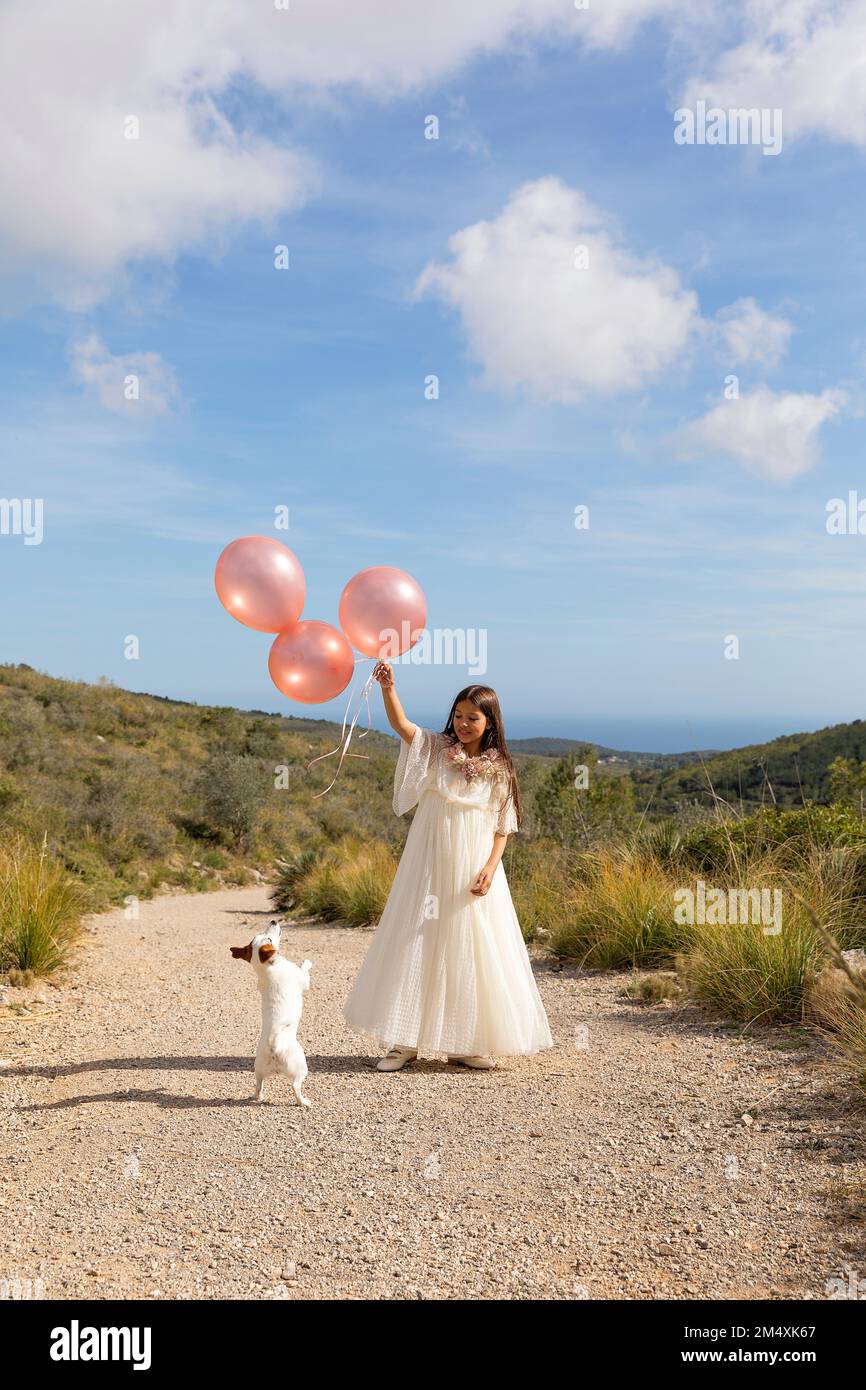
{"x": 447, "y": 970}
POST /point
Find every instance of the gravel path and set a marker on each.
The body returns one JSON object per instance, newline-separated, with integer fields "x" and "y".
{"x": 136, "y": 1164}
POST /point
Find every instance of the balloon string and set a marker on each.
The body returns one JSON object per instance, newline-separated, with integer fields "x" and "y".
{"x": 346, "y": 738}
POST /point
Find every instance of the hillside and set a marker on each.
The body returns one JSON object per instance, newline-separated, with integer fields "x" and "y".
{"x": 132, "y": 791}
{"x": 787, "y": 770}
{"x": 545, "y": 747}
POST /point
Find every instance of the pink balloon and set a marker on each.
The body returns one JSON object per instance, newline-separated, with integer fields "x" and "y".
{"x": 261, "y": 583}
{"x": 383, "y": 611}
{"x": 311, "y": 662}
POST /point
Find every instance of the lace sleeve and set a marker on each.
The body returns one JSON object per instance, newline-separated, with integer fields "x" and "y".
{"x": 506, "y": 820}
{"x": 413, "y": 764}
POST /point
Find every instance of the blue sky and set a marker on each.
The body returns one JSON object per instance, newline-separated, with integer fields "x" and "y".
{"x": 412, "y": 256}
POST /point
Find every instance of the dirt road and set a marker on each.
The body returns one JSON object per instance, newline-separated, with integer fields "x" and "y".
{"x": 137, "y": 1165}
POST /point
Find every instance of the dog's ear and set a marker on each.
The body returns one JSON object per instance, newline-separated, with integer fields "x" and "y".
{"x": 267, "y": 952}
{"x": 242, "y": 952}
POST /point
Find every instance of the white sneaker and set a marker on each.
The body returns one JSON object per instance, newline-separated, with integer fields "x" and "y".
{"x": 479, "y": 1063}
{"x": 396, "y": 1058}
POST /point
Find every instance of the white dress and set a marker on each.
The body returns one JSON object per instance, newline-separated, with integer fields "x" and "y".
{"x": 448, "y": 971}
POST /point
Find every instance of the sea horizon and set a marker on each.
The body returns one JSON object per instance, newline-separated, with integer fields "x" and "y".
{"x": 637, "y": 734}
{"x": 669, "y": 734}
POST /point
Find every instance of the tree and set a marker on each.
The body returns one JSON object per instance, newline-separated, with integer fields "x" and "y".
{"x": 577, "y": 805}
{"x": 231, "y": 789}
{"x": 848, "y": 782}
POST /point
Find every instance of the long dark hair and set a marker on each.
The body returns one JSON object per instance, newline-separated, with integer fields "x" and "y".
{"x": 486, "y": 700}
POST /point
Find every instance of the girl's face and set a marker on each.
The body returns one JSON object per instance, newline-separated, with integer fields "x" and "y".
{"x": 469, "y": 722}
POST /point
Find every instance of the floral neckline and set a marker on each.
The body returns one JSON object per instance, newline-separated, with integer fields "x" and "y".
{"x": 482, "y": 765}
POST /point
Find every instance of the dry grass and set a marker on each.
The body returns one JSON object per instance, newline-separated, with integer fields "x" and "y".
{"x": 348, "y": 882}
{"x": 621, "y": 914}
{"x": 40, "y": 910}
{"x": 836, "y": 1002}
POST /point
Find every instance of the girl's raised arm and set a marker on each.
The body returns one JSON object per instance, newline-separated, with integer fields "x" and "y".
{"x": 394, "y": 710}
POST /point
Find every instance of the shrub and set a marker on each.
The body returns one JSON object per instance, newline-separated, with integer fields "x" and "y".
{"x": 365, "y": 883}
{"x": 349, "y": 882}
{"x": 213, "y": 859}
{"x": 231, "y": 789}
{"x": 237, "y": 875}
{"x": 319, "y": 891}
{"x": 122, "y": 810}
{"x": 290, "y": 871}
{"x": 750, "y": 975}
{"x": 40, "y": 910}
{"x": 623, "y": 914}
{"x": 663, "y": 843}
{"x": 651, "y": 989}
{"x": 10, "y": 792}
{"x": 833, "y": 883}
{"x": 540, "y": 874}
{"x": 86, "y": 862}
{"x": 724, "y": 846}
{"x": 837, "y": 1004}
{"x": 597, "y": 812}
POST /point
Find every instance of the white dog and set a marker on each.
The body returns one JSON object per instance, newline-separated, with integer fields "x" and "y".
{"x": 282, "y": 985}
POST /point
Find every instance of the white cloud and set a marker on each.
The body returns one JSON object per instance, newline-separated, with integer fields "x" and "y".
{"x": 773, "y": 434}
{"x": 132, "y": 383}
{"x": 747, "y": 333}
{"x": 801, "y": 57}
{"x": 537, "y": 322}
{"x": 79, "y": 203}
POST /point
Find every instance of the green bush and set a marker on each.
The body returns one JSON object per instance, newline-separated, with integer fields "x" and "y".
{"x": 622, "y": 914}
{"x": 598, "y": 812}
{"x": 40, "y": 910}
{"x": 231, "y": 789}
{"x": 664, "y": 843}
{"x": 750, "y": 975}
{"x": 833, "y": 883}
{"x": 540, "y": 875}
{"x": 213, "y": 858}
{"x": 123, "y": 810}
{"x": 348, "y": 882}
{"x": 289, "y": 873}
{"x": 723, "y": 846}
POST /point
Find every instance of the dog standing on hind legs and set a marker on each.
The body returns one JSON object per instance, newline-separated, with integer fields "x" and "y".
{"x": 282, "y": 985}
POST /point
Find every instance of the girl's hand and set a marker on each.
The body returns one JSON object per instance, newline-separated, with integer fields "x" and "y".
{"x": 384, "y": 675}
{"x": 482, "y": 882}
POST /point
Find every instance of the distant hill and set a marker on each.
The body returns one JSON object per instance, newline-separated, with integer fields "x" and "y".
{"x": 561, "y": 747}
{"x": 787, "y": 770}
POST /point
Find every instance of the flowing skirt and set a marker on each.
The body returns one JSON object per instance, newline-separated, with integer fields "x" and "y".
{"x": 447, "y": 971}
